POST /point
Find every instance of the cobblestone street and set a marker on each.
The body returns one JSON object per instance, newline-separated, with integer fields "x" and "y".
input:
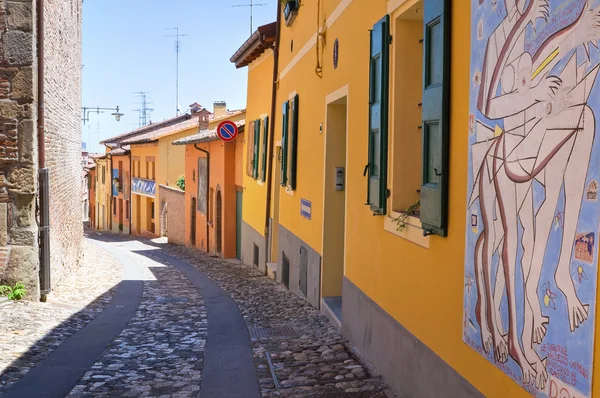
{"x": 164, "y": 347}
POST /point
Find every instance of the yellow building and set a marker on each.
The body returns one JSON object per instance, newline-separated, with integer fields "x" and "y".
{"x": 156, "y": 161}
{"x": 380, "y": 123}
{"x": 102, "y": 190}
{"x": 256, "y": 54}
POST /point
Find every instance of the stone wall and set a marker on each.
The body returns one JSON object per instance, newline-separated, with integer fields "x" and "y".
{"x": 18, "y": 138}
{"x": 63, "y": 133}
{"x": 18, "y": 144}
{"x": 173, "y": 213}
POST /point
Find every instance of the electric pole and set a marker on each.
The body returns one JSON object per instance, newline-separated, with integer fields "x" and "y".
{"x": 177, "y": 35}
{"x": 144, "y": 110}
{"x": 251, "y": 5}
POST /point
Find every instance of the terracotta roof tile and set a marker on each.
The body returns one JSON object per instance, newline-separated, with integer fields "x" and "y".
{"x": 145, "y": 129}
{"x": 155, "y": 135}
{"x": 206, "y": 135}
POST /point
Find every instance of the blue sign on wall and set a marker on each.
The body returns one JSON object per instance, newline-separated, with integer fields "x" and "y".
{"x": 143, "y": 187}
{"x": 306, "y": 208}
{"x": 115, "y": 175}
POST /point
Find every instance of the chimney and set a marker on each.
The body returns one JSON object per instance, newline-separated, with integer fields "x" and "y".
{"x": 196, "y": 108}
{"x": 220, "y": 109}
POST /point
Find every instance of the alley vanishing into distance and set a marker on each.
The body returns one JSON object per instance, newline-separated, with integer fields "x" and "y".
{"x": 166, "y": 321}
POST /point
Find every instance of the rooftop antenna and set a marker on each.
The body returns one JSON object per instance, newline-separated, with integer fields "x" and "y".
{"x": 251, "y": 5}
{"x": 144, "y": 111}
{"x": 177, "y": 35}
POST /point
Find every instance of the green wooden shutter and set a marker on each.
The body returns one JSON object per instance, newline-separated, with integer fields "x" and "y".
{"x": 377, "y": 191}
{"x": 263, "y": 170}
{"x": 293, "y": 144}
{"x": 436, "y": 116}
{"x": 255, "y": 154}
{"x": 284, "y": 144}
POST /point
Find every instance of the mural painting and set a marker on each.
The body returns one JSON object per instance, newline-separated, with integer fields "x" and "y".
{"x": 533, "y": 215}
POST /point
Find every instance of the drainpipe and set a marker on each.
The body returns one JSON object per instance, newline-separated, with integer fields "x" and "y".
{"x": 130, "y": 197}
{"x": 207, "y": 195}
{"x": 272, "y": 130}
{"x": 43, "y": 172}
{"x": 110, "y": 172}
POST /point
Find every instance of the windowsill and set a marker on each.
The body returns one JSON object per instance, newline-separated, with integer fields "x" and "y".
{"x": 289, "y": 191}
{"x": 413, "y": 231}
{"x": 259, "y": 182}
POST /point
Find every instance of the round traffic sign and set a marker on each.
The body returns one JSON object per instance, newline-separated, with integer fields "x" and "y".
{"x": 227, "y": 131}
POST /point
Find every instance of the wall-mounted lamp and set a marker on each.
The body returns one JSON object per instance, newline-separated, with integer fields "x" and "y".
{"x": 86, "y": 112}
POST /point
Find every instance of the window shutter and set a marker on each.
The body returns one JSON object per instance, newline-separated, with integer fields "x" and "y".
{"x": 256, "y": 149}
{"x": 284, "y": 144}
{"x": 377, "y": 191}
{"x": 250, "y": 149}
{"x": 263, "y": 172}
{"x": 436, "y": 117}
{"x": 293, "y": 144}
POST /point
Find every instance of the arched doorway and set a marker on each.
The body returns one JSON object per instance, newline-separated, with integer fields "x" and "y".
{"x": 193, "y": 223}
{"x": 219, "y": 231}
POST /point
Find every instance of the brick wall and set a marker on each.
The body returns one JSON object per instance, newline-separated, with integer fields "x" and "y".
{"x": 18, "y": 137}
{"x": 174, "y": 212}
{"x": 63, "y": 133}
{"x": 18, "y": 144}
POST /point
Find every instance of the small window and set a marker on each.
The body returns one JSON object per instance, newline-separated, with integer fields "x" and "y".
{"x": 127, "y": 209}
{"x": 255, "y": 256}
{"x": 114, "y": 203}
{"x": 407, "y": 150}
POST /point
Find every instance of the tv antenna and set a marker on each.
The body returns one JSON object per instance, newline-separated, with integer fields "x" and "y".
{"x": 251, "y": 5}
{"x": 144, "y": 110}
{"x": 177, "y": 35}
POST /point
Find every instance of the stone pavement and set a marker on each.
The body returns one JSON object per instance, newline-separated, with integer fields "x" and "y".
{"x": 308, "y": 355}
{"x": 204, "y": 327}
{"x": 30, "y": 330}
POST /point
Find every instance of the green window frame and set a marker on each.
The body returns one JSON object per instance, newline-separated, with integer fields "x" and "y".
{"x": 436, "y": 117}
{"x": 284, "y": 143}
{"x": 376, "y": 169}
{"x": 255, "y": 152}
{"x": 293, "y": 143}
{"x": 263, "y": 169}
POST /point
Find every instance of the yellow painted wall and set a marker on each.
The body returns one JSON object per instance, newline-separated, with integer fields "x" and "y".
{"x": 260, "y": 77}
{"x": 421, "y": 288}
{"x": 170, "y": 162}
{"x": 101, "y": 192}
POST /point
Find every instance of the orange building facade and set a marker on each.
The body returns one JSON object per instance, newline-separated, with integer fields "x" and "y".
{"x": 213, "y": 190}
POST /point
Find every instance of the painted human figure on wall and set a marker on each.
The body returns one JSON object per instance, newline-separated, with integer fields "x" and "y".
{"x": 532, "y": 156}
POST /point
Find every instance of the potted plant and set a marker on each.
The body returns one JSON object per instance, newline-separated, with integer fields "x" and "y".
{"x": 402, "y": 219}
{"x": 117, "y": 183}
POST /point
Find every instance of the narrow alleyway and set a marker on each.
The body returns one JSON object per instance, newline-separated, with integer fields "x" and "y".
{"x": 180, "y": 324}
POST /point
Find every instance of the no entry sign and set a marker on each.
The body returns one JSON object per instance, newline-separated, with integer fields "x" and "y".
{"x": 227, "y": 131}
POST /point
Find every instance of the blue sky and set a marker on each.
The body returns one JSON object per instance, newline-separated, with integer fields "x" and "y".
{"x": 125, "y": 50}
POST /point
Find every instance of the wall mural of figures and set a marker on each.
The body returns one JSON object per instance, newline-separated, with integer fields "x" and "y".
{"x": 533, "y": 211}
